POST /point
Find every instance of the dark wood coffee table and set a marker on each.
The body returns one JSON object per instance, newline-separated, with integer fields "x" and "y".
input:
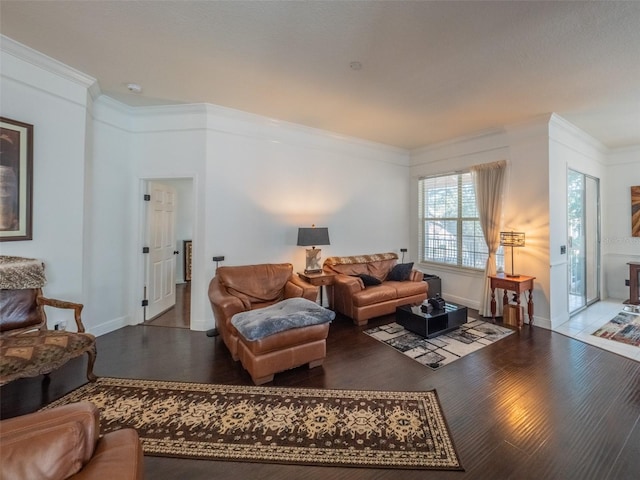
{"x": 429, "y": 325}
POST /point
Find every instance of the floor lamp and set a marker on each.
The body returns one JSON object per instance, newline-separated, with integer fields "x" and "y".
{"x": 512, "y": 239}
{"x": 214, "y": 331}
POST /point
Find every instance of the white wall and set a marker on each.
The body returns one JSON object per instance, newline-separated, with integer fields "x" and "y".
{"x": 108, "y": 198}
{"x": 570, "y": 148}
{"x": 56, "y": 105}
{"x": 525, "y": 204}
{"x": 255, "y": 182}
{"x": 618, "y": 246}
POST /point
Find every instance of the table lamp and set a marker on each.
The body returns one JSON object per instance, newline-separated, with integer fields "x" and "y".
{"x": 512, "y": 239}
{"x": 310, "y": 237}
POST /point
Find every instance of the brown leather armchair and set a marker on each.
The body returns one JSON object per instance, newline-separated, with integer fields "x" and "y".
{"x": 241, "y": 288}
{"x": 65, "y": 443}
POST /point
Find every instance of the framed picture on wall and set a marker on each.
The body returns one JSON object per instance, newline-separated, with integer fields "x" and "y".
{"x": 16, "y": 180}
{"x": 635, "y": 211}
{"x": 187, "y": 260}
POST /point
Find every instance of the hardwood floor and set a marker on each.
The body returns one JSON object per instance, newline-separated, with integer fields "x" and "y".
{"x": 178, "y": 316}
{"x": 535, "y": 405}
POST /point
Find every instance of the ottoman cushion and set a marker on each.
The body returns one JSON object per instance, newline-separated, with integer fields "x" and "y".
{"x": 285, "y": 315}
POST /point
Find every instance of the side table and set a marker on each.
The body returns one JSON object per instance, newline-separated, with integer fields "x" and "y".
{"x": 519, "y": 284}
{"x": 318, "y": 280}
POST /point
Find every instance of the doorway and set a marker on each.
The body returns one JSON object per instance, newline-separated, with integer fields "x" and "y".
{"x": 583, "y": 223}
{"x": 179, "y": 314}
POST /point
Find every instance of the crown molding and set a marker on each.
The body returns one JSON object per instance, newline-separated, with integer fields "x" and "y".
{"x": 49, "y": 64}
{"x": 564, "y": 131}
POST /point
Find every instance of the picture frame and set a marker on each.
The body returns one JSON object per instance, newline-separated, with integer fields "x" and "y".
{"x": 188, "y": 249}
{"x": 16, "y": 180}
{"x": 635, "y": 211}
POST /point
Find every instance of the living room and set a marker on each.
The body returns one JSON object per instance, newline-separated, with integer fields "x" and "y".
{"x": 256, "y": 180}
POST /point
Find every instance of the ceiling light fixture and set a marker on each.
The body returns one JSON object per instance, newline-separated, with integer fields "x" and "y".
{"x": 134, "y": 88}
{"x": 355, "y": 66}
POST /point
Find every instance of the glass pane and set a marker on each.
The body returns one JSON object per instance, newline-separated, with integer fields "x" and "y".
{"x": 440, "y": 245}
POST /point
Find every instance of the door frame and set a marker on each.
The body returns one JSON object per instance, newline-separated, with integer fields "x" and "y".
{"x": 140, "y": 273}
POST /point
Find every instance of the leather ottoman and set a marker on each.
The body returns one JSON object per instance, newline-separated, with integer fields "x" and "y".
{"x": 283, "y": 336}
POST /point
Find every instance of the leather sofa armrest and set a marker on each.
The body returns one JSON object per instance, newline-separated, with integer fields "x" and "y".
{"x": 223, "y": 303}
{"x": 297, "y": 287}
{"x": 49, "y": 444}
{"x": 52, "y": 302}
{"x": 118, "y": 455}
{"x": 347, "y": 283}
{"x": 416, "y": 276}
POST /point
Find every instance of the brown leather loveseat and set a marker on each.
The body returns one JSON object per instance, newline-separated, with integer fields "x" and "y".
{"x": 65, "y": 443}
{"x": 368, "y": 286}
{"x": 237, "y": 289}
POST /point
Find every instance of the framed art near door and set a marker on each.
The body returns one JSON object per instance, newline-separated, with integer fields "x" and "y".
{"x": 16, "y": 180}
{"x": 635, "y": 211}
{"x": 187, "y": 260}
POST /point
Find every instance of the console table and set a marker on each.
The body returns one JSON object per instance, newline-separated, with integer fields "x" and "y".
{"x": 519, "y": 284}
{"x": 634, "y": 283}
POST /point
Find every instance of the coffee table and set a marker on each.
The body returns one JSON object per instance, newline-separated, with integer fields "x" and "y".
{"x": 429, "y": 325}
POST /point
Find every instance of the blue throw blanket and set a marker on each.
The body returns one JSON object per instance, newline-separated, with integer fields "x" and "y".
{"x": 281, "y": 316}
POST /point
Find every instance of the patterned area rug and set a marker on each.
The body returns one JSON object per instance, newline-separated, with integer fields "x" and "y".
{"x": 444, "y": 349}
{"x": 624, "y": 328}
{"x": 276, "y": 425}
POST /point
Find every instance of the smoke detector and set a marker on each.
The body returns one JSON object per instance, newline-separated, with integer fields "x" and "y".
{"x": 134, "y": 88}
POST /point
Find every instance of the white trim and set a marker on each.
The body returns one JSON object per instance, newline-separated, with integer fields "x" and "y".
{"x": 47, "y": 63}
{"x": 566, "y": 133}
{"x": 109, "y": 326}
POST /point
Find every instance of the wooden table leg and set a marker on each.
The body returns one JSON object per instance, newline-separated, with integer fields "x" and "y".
{"x": 530, "y": 308}
{"x": 493, "y": 303}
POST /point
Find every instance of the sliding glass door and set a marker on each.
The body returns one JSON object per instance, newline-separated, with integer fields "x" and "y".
{"x": 583, "y": 199}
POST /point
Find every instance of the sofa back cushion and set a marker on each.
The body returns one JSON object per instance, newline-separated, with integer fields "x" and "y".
{"x": 18, "y": 309}
{"x": 256, "y": 283}
{"x": 377, "y": 265}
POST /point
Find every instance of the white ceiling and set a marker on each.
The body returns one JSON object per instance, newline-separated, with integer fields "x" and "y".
{"x": 431, "y": 71}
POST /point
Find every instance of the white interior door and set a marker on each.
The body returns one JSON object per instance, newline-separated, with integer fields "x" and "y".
{"x": 161, "y": 263}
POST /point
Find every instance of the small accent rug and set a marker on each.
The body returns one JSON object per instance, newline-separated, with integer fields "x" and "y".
{"x": 442, "y": 350}
{"x": 624, "y": 328}
{"x": 277, "y": 425}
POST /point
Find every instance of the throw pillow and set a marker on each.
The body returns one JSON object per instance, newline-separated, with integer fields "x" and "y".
{"x": 400, "y": 272}
{"x": 368, "y": 280}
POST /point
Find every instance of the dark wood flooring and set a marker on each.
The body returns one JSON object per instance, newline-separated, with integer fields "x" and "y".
{"x": 178, "y": 316}
{"x": 536, "y": 405}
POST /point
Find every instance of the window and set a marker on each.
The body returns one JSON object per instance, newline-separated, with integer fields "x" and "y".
{"x": 450, "y": 231}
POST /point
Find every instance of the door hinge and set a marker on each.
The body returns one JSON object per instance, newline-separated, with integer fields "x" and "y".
{"x": 146, "y": 197}
{"x": 145, "y": 249}
{"x": 145, "y": 303}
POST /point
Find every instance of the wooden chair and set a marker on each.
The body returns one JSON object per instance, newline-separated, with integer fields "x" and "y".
{"x": 27, "y": 347}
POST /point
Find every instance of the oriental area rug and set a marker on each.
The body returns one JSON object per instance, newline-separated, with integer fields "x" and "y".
{"x": 439, "y": 351}
{"x": 624, "y": 328}
{"x": 375, "y": 429}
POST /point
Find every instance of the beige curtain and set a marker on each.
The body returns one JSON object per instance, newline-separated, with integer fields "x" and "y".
{"x": 489, "y": 180}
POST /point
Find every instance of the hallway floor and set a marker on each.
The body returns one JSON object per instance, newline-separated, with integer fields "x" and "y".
{"x": 582, "y": 325}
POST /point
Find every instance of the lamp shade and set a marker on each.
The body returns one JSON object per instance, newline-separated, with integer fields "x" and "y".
{"x": 512, "y": 239}
{"x": 313, "y": 236}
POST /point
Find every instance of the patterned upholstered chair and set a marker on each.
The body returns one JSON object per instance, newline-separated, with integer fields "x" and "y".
{"x": 27, "y": 347}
